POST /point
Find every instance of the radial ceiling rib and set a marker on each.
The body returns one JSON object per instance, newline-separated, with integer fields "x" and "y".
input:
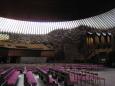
{"x": 102, "y": 21}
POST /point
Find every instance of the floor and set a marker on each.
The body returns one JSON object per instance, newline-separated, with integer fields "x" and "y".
{"x": 108, "y": 74}
{"x": 21, "y": 80}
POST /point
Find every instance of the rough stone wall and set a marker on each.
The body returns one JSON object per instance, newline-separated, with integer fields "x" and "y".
{"x": 69, "y": 41}
{"x": 72, "y": 41}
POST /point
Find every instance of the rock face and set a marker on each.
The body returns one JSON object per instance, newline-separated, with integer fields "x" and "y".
{"x": 72, "y": 42}
{"x": 68, "y": 42}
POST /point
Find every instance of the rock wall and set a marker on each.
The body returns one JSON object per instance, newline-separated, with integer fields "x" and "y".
{"x": 72, "y": 42}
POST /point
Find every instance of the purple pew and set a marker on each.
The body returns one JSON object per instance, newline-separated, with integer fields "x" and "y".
{"x": 5, "y": 75}
{"x": 30, "y": 78}
{"x": 13, "y": 79}
{"x": 44, "y": 75}
{"x": 9, "y": 74}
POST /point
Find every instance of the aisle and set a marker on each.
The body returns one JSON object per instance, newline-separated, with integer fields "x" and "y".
{"x": 39, "y": 82}
{"x": 21, "y": 80}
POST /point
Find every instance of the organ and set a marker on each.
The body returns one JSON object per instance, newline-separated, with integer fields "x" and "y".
{"x": 98, "y": 40}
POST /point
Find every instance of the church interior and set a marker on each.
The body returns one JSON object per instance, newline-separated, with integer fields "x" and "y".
{"x": 57, "y": 43}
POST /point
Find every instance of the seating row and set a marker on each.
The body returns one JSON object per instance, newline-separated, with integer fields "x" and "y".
{"x": 51, "y": 75}
{"x": 75, "y": 77}
{"x": 46, "y": 77}
{"x": 9, "y": 77}
{"x": 29, "y": 79}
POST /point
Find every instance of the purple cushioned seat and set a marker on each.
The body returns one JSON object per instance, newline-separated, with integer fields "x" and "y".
{"x": 13, "y": 78}
{"x": 30, "y": 78}
{"x": 9, "y": 74}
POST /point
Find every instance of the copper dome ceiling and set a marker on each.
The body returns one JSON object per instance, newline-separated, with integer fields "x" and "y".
{"x": 53, "y": 10}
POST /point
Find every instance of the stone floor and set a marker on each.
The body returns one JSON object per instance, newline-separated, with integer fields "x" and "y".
{"x": 108, "y": 74}
{"x": 21, "y": 80}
